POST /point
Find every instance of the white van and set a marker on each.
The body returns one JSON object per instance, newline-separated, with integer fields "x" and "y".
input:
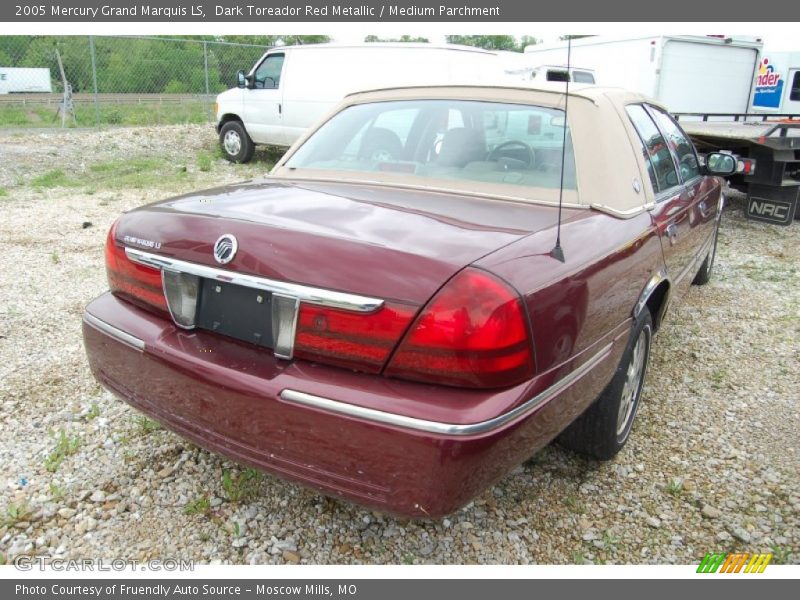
{"x": 554, "y": 73}
{"x": 291, "y": 87}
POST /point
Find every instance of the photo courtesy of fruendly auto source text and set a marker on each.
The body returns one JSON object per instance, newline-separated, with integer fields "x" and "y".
{"x": 376, "y": 300}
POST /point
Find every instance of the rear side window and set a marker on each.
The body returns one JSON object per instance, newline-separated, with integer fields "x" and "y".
{"x": 662, "y": 168}
{"x": 679, "y": 143}
{"x": 268, "y": 74}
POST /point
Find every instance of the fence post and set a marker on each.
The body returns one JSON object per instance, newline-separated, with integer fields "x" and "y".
{"x": 94, "y": 81}
{"x": 205, "y": 60}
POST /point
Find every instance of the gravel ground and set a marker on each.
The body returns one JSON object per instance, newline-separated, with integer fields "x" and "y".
{"x": 712, "y": 464}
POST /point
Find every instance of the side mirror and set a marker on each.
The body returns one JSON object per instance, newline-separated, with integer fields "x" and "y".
{"x": 720, "y": 163}
{"x": 241, "y": 79}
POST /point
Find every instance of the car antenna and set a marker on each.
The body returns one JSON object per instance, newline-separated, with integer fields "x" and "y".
{"x": 557, "y": 252}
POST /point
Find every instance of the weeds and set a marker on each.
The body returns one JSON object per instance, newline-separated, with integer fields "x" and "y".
{"x": 675, "y": 487}
{"x": 147, "y": 426}
{"x": 93, "y": 412}
{"x": 241, "y": 486}
{"x": 16, "y": 513}
{"x": 200, "y": 506}
{"x": 574, "y": 505}
{"x": 56, "y": 492}
{"x": 65, "y": 446}
{"x": 781, "y": 556}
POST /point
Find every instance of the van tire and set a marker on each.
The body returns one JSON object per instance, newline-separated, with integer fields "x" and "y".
{"x": 602, "y": 431}
{"x": 236, "y": 144}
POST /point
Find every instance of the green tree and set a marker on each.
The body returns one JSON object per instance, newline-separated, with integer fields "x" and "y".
{"x": 402, "y": 38}
{"x": 488, "y": 42}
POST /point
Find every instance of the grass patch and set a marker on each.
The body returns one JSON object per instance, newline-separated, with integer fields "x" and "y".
{"x": 140, "y": 172}
{"x": 3, "y": 192}
{"x": 136, "y": 173}
{"x": 65, "y": 446}
{"x": 719, "y": 378}
{"x": 204, "y": 161}
{"x": 241, "y": 486}
{"x": 122, "y": 114}
{"x": 52, "y": 179}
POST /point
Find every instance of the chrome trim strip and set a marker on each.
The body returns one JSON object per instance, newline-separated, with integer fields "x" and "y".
{"x": 312, "y": 295}
{"x": 118, "y": 334}
{"x": 379, "y": 416}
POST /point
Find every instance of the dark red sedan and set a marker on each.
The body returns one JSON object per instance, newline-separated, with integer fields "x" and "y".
{"x": 401, "y": 313}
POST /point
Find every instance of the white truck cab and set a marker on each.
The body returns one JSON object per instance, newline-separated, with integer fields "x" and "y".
{"x": 292, "y": 87}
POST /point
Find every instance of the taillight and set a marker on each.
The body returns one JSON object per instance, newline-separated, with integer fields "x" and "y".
{"x": 474, "y": 333}
{"x": 350, "y": 339}
{"x": 136, "y": 282}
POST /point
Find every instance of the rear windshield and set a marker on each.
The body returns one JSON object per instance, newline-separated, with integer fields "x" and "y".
{"x": 445, "y": 139}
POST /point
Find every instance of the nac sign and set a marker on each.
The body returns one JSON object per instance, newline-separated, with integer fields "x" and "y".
{"x": 769, "y": 86}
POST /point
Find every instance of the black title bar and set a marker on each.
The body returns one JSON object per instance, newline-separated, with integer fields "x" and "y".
{"x": 453, "y": 11}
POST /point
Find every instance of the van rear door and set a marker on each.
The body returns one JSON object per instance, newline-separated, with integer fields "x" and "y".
{"x": 262, "y": 109}
{"x": 706, "y": 77}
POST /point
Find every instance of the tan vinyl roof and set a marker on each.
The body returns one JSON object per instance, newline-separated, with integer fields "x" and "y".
{"x": 611, "y": 172}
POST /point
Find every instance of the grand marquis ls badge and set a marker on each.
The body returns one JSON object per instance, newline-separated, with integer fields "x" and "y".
{"x": 225, "y": 249}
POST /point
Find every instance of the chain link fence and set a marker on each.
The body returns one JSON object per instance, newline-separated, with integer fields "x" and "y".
{"x": 115, "y": 80}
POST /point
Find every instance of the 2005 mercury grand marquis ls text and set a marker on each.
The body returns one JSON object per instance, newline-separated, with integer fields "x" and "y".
{"x": 388, "y": 318}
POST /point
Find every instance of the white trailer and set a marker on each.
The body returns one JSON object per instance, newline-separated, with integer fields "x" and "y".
{"x": 687, "y": 73}
{"x": 292, "y": 87}
{"x": 777, "y": 83}
{"x": 25, "y": 80}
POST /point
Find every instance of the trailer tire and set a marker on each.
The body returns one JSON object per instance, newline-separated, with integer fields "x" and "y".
{"x": 235, "y": 142}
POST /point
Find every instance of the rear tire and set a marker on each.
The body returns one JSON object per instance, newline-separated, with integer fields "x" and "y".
{"x": 236, "y": 143}
{"x": 704, "y": 274}
{"x": 602, "y": 431}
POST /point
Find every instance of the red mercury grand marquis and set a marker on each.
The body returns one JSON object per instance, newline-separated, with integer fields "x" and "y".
{"x": 401, "y": 313}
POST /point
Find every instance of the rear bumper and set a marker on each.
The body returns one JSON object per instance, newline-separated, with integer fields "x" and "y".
{"x": 406, "y": 448}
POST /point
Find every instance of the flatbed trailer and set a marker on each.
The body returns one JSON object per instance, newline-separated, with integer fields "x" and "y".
{"x": 772, "y": 141}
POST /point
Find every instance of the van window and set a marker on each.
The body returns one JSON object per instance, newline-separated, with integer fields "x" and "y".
{"x": 268, "y": 73}
{"x": 663, "y": 166}
{"x": 582, "y": 77}
{"x": 557, "y": 75}
{"x": 795, "y": 93}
